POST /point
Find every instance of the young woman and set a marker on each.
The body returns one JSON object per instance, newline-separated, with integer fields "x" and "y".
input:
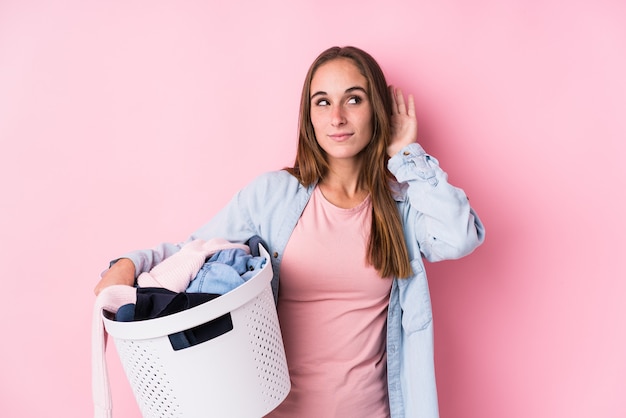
{"x": 347, "y": 227}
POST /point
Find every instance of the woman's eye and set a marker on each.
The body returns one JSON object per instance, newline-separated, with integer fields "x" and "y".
{"x": 322, "y": 102}
{"x": 354, "y": 100}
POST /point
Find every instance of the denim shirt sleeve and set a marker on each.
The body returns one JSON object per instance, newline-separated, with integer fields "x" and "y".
{"x": 269, "y": 207}
{"x": 144, "y": 260}
{"x": 232, "y": 222}
{"x": 440, "y": 219}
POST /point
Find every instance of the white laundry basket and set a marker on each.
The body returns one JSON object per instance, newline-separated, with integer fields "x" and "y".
{"x": 241, "y": 373}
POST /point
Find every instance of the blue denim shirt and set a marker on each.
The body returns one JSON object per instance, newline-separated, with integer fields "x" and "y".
{"x": 438, "y": 224}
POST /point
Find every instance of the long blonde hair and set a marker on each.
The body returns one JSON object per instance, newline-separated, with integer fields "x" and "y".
{"x": 387, "y": 250}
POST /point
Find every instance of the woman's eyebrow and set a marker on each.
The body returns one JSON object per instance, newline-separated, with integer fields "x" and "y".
{"x": 355, "y": 88}
{"x": 319, "y": 93}
{"x": 348, "y": 90}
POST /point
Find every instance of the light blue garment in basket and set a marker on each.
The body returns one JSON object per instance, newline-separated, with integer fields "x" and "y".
{"x": 224, "y": 271}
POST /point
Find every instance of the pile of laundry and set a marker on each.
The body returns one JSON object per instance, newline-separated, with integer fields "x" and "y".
{"x": 199, "y": 272}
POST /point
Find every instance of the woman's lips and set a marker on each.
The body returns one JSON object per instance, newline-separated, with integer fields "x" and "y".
{"x": 340, "y": 137}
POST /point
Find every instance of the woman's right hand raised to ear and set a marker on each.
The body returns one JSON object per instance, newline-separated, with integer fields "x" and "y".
{"x": 122, "y": 272}
{"x": 403, "y": 121}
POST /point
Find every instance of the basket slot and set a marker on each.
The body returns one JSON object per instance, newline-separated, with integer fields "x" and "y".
{"x": 201, "y": 333}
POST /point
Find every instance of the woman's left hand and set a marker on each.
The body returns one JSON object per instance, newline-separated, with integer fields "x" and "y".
{"x": 403, "y": 121}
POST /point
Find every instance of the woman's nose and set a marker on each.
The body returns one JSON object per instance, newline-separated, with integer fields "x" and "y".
{"x": 337, "y": 116}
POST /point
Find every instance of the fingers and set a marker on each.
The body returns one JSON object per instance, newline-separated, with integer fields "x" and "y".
{"x": 401, "y": 108}
{"x": 397, "y": 101}
{"x": 411, "y": 105}
{"x": 398, "y": 104}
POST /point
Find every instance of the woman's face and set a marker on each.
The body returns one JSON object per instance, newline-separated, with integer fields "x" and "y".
{"x": 341, "y": 112}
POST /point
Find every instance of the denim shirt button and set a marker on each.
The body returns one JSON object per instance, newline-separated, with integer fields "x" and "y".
{"x": 275, "y": 255}
{"x": 392, "y": 348}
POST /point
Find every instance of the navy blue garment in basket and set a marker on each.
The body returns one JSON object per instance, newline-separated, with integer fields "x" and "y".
{"x": 155, "y": 302}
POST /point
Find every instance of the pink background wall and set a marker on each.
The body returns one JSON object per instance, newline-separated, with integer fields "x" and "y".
{"x": 127, "y": 123}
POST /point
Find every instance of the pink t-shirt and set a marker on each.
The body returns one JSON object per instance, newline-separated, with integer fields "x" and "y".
{"x": 332, "y": 308}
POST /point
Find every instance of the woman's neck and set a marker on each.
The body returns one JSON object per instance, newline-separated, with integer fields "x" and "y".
{"x": 342, "y": 185}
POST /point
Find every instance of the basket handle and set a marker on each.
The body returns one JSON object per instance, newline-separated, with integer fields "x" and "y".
{"x": 201, "y": 333}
